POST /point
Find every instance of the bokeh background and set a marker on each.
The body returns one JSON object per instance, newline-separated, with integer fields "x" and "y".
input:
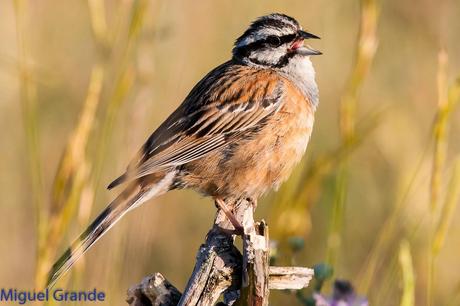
{"x": 83, "y": 84}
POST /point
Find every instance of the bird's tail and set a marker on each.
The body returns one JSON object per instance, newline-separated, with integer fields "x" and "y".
{"x": 132, "y": 196}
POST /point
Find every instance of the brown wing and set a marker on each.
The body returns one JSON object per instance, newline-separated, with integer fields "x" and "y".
{"x": 231, "y": 100}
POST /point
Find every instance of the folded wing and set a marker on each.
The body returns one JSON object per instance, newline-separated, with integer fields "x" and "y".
{"x": 230, "y": 100}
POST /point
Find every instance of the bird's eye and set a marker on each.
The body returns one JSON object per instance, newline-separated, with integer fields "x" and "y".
{"x": 273, "y": 41}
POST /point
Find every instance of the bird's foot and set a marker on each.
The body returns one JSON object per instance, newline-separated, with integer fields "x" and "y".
{"x": 239, "y": 229}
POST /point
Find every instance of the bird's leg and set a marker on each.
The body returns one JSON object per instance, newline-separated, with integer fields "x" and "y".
{"x": 230, "y": 216}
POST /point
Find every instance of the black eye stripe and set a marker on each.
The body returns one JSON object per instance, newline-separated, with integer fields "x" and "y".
{"x": 283, "y": 39}
{"x": 261, "y": 43}
{"x": 287, "y": 38}
{"x": 273, "y": 40}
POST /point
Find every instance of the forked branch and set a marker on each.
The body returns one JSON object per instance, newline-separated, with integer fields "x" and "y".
{"x": 221, "y": 270}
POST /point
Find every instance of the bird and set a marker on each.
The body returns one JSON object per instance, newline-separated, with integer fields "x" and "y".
{"x": 238, "y": 133}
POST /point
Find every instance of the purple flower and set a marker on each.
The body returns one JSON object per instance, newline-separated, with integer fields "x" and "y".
{"x": 343, "y": 295}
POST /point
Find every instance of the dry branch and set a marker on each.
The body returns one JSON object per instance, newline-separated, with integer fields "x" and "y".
{"x": 220, "y": 269}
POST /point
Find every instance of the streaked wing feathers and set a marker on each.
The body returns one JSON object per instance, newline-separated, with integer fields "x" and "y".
{"x": 231, "y": 100}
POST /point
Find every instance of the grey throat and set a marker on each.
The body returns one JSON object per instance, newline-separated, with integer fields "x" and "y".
{"x": 300, "y": 71}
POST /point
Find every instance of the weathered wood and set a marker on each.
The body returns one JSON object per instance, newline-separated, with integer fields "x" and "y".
{"x": 220, "y": 269}
{"x": 218, "y": 265}
{"x": 295, "y": 278}
{"x": 215, "y": 270}
{"x": 254, "y": 291}
{"x": 154, "y": 290}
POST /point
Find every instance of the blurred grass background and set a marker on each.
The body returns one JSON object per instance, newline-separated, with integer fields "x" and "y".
{"x": 83, "y": 84}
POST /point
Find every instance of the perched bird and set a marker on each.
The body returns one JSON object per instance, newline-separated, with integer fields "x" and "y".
{"x": 238, "y": 133}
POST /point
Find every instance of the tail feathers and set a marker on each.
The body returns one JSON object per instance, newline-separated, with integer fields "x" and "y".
{"x": 119, "y": 180}
{"x": 131, "y": 196}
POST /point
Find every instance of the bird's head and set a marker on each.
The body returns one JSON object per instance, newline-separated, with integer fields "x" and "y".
{"x": 272, "y": 40}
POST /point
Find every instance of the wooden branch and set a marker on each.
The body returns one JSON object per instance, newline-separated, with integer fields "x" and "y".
{"x": 255, "y": 264}
{"x": 218, "y": 265}
{"x": 217, "y": 268}
{"x": 154, "y": 290}
{"x": 294, "y": 278}
{"x": 220, "y": 269}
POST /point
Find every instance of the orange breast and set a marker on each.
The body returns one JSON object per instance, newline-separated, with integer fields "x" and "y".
{"x": 263, "y": 161}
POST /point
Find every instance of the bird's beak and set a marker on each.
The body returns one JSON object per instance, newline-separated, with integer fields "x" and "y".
{"x": 306, "y": 35}
{"x": 306, "y": 49}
